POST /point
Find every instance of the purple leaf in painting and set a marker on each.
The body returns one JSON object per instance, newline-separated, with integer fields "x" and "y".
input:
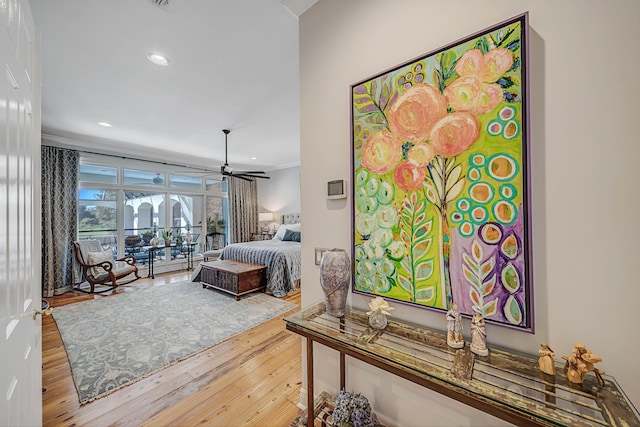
{"x": 360, "y": 90}
{"x": 514, "y": 45}
{"x": 505, "y": 82}
{"x": 511, "y": 97}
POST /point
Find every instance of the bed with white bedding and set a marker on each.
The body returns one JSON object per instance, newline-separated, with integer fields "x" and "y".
{"x": 281, "y": 255}
{"x": 282, "y": 259}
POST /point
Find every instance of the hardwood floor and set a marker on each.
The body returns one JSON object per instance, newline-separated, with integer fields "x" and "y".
{"x": 253, "y": 378}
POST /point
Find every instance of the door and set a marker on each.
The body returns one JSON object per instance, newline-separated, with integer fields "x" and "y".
{"x": 20, "y": 283}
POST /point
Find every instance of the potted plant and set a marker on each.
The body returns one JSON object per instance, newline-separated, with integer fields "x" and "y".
{"x": 220, "y": 224}
{"x": 166, "y": 236}
{"x": 211, "y": 225}
{"x": 147, "y": 236}
{"x": 179, "y": 237}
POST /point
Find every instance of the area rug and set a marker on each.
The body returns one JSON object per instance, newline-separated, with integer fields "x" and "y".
{"x": 114, "y": 341}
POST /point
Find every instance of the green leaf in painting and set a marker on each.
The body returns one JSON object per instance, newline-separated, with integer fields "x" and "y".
{"x": 448, "y": 62}
{"x": 490, "y": 308}
{"x": 406, "y": 284}
{"x": 421, "y": 247}
{"x": 471, "y": 278}
{"x": 512, "y": 310}
{"x": 489, "y": 285}
{"x": 482, "y": 45}
{"x": 438, "y": 80}
{"x": 426, "y": 295}
{"x": 424, "y": 269}
{"x": 504, "y": 37}
{"x": 487, "y": 267}
{"x": 471, "y": 264}
{"x": 385, "y": 96}
{"x": 510, "y": 278}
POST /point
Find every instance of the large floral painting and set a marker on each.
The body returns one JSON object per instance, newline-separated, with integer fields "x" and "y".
{"x": 440, "y": 179}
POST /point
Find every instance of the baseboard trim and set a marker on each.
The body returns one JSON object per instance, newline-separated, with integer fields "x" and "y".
{"x": 302, "y": 399}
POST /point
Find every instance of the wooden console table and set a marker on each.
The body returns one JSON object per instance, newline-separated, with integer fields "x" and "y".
{"x": 504, "y": 384}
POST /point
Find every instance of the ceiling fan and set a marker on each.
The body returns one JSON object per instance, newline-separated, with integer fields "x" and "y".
{"x": 158, "y": 180}
{"x": 226, "y": 170}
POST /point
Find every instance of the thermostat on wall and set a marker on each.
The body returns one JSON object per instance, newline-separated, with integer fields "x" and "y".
{"x": 337, "y": 189}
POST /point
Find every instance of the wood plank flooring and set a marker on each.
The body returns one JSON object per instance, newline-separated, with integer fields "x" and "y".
{"x": 252, "y": 379}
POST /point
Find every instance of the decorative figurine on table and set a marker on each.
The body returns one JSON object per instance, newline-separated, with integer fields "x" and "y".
{"x": 379, "y": 312}
{"x": 189, "y": 237}
{"x": 479, "y": 335}
{"x": 547, "y": 358}
{"x": 454, "y": 327}
{"x": 580, "y": 363}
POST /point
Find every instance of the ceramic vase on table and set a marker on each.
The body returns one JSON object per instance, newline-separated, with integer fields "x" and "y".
{"x": 335, "y": 277}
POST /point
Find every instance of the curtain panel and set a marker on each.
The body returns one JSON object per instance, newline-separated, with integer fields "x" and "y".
{"x": 60, "y": 168}
{"x": 243, "y": 209}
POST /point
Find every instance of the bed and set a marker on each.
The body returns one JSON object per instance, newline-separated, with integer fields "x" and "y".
{"x": 281, "y": 257}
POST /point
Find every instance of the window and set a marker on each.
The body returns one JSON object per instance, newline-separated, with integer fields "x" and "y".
{"x": 116, "y": 202}
{"x": 190, "y": 183}
{"x": 142, "y": 178}
{"x": 97, "y": 216}
{"x": 98, "y": 174}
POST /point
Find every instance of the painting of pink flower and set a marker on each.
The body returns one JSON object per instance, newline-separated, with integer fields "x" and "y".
{"x": 455, "y": 133}
{"x": 470, "y": 63}
{"x": 421, "y": 153}
{"x": 409, "y": 175}
{"x": 496, "y": 62}
{"x": 414, "y": 113}
{"x": 440, "y": 179}
{"x": 475, "y": 91}
{"x": 382, "y": 152}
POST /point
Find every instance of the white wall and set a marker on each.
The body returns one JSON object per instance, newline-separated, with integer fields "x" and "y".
{"x": 281, "y": 193}
{"x": 584, "y": 63}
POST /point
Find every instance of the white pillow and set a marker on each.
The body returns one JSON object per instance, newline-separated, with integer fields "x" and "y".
{"x": 98, "y": 257}
{"x": 294, "y": 227}
{"x": 283, "y": 229}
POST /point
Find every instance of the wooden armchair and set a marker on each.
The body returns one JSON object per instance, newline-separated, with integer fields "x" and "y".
{"x": 99, "y": 267}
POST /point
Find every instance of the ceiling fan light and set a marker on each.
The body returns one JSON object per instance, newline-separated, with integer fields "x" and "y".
{"x": 158, "y": 59}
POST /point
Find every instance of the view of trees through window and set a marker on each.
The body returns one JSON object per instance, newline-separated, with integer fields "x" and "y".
{"x": 117, "y": 207}
{"x": 97, "y": 213}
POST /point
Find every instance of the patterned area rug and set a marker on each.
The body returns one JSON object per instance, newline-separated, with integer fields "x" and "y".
{"x": 112, "y": 342}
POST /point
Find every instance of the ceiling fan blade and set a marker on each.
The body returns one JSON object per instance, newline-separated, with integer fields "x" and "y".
{"x": 260, "y": 172}
{"x": 251, "y": 175}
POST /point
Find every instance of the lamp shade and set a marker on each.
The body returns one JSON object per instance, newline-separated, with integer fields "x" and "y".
{"x": 265, "y": 216}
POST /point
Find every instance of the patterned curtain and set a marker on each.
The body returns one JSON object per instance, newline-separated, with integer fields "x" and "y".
{"x": 243, "y": 209}
{"x": 59, "y": 218}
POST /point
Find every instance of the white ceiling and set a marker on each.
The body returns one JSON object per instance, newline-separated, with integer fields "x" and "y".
{"x": 234, "y": 65}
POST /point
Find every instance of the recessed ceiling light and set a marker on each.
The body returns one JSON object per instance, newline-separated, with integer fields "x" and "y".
{"x": 105, "y": 124}
{"x": 158, "y": 59}
{"x": 254, "y": 158}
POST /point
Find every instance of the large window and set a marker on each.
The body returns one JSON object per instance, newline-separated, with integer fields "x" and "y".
{"x": 123, "y": 206}
{"x": 97, "y": 216}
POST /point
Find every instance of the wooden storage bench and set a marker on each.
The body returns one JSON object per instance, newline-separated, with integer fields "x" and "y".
{"x": 234, "y": 277}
